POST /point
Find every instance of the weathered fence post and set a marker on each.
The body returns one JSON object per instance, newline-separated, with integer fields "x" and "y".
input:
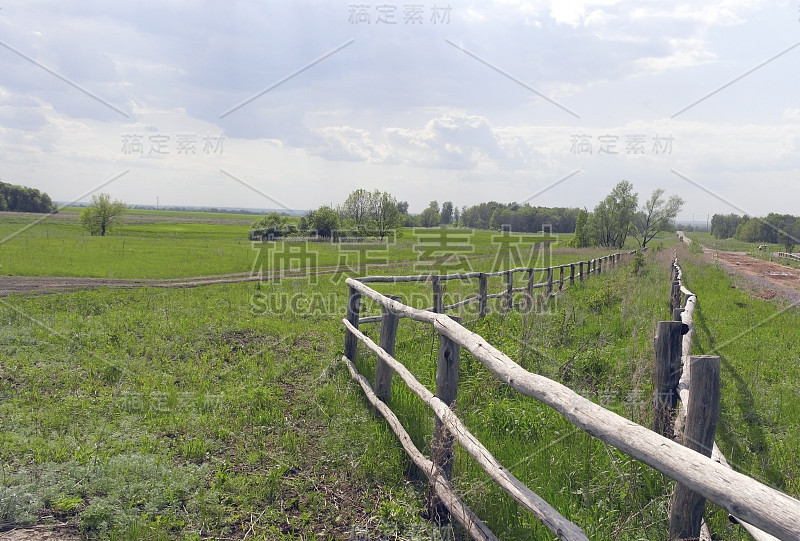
{"x": 383, "y": 373}
{"x": 482, "y": 292}
{"x": 675, "y": 296}
{"x": 509, "y": 296}
{"x": 442, "y": 442}
{"x": 686, "y": 507}
{"x": 529, "y": 289}
{"x": 549, "y": 282}
{"x": 580, "y": 270}
{"x": 561, "y": 278}
{"x": 353, "y": 310}
{"x": 677, "y": 314}
{"x": 600, "y": 265}
{"x": 666, "y": 374}
{"x": 572, "y": 274}
{"x": 438, "y": 299}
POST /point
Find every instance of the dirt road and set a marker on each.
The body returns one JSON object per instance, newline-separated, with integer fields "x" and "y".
{"x": 63, "y": 284}
{"x": 769, "y": 279}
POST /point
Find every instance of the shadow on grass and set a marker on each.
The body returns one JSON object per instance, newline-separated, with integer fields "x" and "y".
{"x": 751, "y": 422}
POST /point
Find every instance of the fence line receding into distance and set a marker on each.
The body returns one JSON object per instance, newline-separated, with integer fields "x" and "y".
{"x": 699, "y": 476}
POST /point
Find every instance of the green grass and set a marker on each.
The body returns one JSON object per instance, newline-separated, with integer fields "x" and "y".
{"x": 731, "y": 245}
{"x": 152, "y": 245}
{"x": 757, "y": 340}
{"x": 225, "y": 411}
{"x": 597, "y": 338}
{"x": 177, "y": 414}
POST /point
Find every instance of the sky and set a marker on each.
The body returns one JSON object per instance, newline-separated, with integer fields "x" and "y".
{"x": 295, "y": 104}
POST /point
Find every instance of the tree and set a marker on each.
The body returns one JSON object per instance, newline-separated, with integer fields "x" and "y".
{"x": 612, "y": 218}
{"x": 324, "y": 221}
{"x": 358, "y": 208}
{"x": 447, "y": 212}
{"x": 655, "y": 216}
{"x": 581, "y": 238}
{"x": 23, "y": 199}
{"x": 402, "y": 207}
{"x": 102, "y": 214}
{"x": 430, "y": 216}
{"x": 723, "y": 226}
{"x": 750, "y": 229}
{"x": 384, "y": 213}
{"x": 272, "y": 226}
{"x": 456, "y": 216}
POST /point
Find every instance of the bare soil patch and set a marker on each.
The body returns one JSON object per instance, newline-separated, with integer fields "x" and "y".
{"x": 769, "y": 279}
{"x": 41, "y": 533}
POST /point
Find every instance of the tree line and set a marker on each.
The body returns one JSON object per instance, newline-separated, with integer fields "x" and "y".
{"x": 363, "y": 214}
{"x": 14, "y": 198}
{"x": 375, "y": 214}
{"x": 619, "y": 215}
{"x": 774, "y": 229}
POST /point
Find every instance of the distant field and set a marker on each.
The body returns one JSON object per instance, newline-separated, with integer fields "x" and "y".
{"x": 731, "y": 245}
{"x": 170, "y": 244}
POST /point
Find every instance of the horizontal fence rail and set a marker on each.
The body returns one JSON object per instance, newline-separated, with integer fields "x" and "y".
{"x": 765, "y": 510}
{"x": 556, "y": 278}
{"x": 791, "y": 257}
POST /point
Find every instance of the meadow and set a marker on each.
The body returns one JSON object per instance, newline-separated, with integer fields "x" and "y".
{"x": 225, "y": 411}
{"x": 177, "y": 244}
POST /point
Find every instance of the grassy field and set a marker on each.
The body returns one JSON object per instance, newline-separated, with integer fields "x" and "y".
{"x": 152, "y": 245}
{"x": 225, "y": 411}
{"x": 734, "y": 245}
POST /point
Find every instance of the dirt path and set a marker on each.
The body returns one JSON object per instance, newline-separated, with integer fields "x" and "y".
{"x": 768, "y": 278}
{"x": 63, "y": 284}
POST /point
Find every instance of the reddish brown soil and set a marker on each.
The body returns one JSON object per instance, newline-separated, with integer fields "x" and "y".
{"x": 770, "y": 279}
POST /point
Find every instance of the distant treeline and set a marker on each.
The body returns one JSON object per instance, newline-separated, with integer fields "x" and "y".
{"x": 523, "y": 218}
{"x": 774, "y": 229}
{"x": 15, "y": 198}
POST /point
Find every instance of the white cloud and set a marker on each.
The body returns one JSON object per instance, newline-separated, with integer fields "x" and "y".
{"x": 683, "y": 53}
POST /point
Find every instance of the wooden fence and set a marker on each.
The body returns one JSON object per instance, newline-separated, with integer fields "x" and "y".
{"x": 696, "y": 381}
{"x": 700, "y": 476}
{"x": 550, "y": 285}
{"x": 791, "y": 257}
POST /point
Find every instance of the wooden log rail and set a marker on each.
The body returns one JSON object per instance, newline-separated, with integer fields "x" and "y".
{"x": 684, "y": 386}
{"x": 556, "y": 278}
{"x": 766, "y": 508}
{"x": 791, "y": 257}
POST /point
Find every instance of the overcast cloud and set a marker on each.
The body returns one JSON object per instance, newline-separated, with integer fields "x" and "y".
{"x": 462, "y": 101}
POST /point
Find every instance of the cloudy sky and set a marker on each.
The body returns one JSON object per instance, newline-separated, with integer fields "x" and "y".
{"x": 295, "y": 104}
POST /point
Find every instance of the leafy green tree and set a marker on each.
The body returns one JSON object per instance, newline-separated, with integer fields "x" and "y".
{"x": 582, "y": 239}
{"x": 384, "y": 213}
{"x": 750, "y": 230}
{"x": 271, "y": 226}
{"x": 324, "y": 220}
{"x": 14, "y": 198}
{"x": 612, "y": 218}
{"x": 102, "y": 214}
{"x": 782, "y": 229}
{"x": 656, "y": 215}
{"x": 358, "y": 209}
{"x": 723, "y": 226}
{"x": 430, "y": 216}
{"x": 447, "y": 212}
